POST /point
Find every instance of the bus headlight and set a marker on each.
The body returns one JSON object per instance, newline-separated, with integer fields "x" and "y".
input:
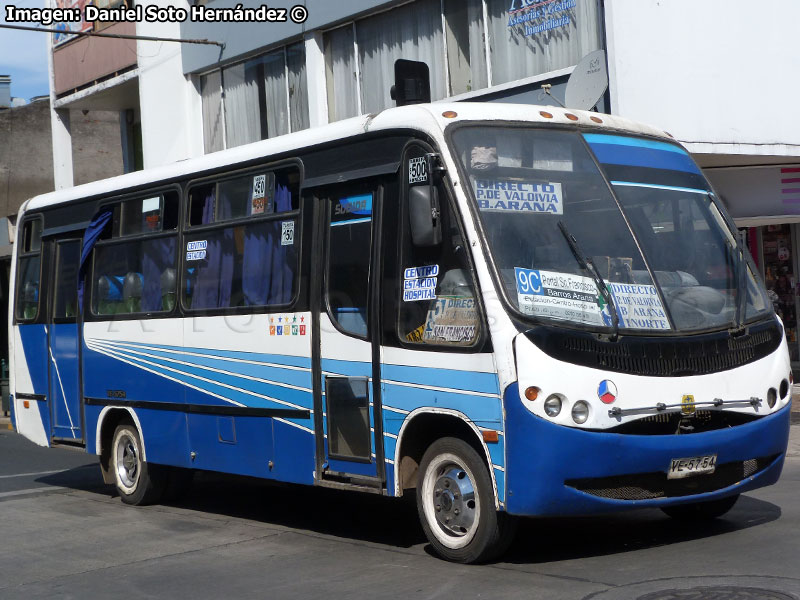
{"x": 772, "y": 397}
{"x": 552, "y": 406}
{"x": 580, "y": 412}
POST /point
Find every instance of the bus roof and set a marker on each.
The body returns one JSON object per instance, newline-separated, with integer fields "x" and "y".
{"x": 429, "y": 118}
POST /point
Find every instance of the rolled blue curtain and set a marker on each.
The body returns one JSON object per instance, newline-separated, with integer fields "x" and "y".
{"x": 90, "y": 237}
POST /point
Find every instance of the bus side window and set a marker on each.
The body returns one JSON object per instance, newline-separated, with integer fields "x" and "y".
{"x": 438, "y": 304}
{"x": 28, "y": 271}
{"x": 349, "y": 244}
{"x": 241, "y": 249}
{"x": 135, "y": 258}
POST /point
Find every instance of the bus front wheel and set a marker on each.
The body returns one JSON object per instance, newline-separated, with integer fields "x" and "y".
{"x": 701, "y": 511}
{"x": 455, "y": 501}
{"x": 137, "y": 482}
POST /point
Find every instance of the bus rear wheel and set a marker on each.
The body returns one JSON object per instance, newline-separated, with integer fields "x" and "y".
{"x": 455, "y": 501}
{"x": 701, "y": 511}
{"x": 138, "y": 482}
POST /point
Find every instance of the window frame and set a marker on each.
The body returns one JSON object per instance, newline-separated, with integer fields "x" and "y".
{"x": 57, "y": 279}
{"x": 188, "y": 230}
{"x": 89, "y": 315}
{"x": 482, "y": 342}
{"x": 21, "y": 254}
{"x": 376, "y": 188}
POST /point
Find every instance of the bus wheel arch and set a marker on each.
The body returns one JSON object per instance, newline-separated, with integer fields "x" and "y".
{"x": 108, "y": 421}
{"x": 421, "y": 428}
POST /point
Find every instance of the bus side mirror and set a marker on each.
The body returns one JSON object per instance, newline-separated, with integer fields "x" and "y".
{"x": 424, "y": 216}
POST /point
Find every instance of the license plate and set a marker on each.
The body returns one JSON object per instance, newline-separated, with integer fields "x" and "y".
{"x": 688, "y": 467}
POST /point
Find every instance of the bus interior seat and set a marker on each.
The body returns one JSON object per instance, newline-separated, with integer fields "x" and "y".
{"x": 132, "y": 292}
{"x": 168, "y": 289}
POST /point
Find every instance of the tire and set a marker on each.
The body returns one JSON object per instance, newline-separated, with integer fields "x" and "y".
{"x": 701, "y": 511}
{"x": 455, "y": 502}
{"x": 138, "y": 482}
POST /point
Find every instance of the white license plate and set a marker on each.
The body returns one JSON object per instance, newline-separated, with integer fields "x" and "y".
{"x": 687, "y": 467}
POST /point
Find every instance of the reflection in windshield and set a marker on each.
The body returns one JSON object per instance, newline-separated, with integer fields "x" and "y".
{"x": 525, "y": 181}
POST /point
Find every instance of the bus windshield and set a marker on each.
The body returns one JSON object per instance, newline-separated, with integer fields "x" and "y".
{"x": 557, "y": 232}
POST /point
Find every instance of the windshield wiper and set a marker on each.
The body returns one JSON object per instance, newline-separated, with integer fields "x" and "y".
{"x": 586, "y": 263}
{"x": 741, "y": 293}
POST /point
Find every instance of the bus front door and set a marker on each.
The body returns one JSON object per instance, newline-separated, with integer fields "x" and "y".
{"x": 347, "y": 398}
{"x": 63, "y": 343}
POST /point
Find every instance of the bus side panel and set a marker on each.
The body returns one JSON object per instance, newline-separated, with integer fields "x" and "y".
{"x": 261, "y": 362}
{"x": 30, "y": 377}
{"x": 295, "y": 451}
{"x": 470, "y": 388}
{"x": 122, "y": 366}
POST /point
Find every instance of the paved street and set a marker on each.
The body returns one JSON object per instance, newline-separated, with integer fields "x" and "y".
{"x": 66, "y": 535}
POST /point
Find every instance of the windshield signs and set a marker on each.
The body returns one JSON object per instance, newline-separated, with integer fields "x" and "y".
{"x": 519, "y": 196}
{"x": 419, "y": 283}
{"x": 576, "y": 298}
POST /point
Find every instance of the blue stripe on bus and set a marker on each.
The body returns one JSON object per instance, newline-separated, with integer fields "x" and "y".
{"x": 184, "y": 375}
{"x": 634, "y": 152}
{"x": 655, "y": 186}
{"x": 278, "y": 359}
{"x": 445, "y": 378}
{"x": 348, "y": 368}
{"x": 274, "y": 375}
{"x": 474, "y": 407}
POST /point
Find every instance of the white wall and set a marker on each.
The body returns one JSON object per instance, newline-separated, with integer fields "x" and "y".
{"x": 722, "y": 75}
{"x": 169, "y": 102}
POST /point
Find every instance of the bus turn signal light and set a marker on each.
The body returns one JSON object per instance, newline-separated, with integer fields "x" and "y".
{"x": 532, "y": 393}
{"x": 490, "y": 436}
{"x": 26, "y": 404}
{"x": 449, "y": 114}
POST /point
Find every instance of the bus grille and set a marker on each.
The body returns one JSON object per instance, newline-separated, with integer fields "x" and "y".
{"x": 659, "y": 356}
{"x": 648, "y": 486}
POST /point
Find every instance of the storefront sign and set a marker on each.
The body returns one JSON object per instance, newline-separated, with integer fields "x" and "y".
{"x": 536, "y": 16}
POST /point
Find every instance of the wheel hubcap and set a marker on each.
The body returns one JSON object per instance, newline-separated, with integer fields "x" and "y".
{"x": 127, "y": 461}
{"x": 454, "y": 500}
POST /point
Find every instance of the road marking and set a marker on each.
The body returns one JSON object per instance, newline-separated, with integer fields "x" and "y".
{"x": 38, "y": 490}
{"x": 42, "y": 472}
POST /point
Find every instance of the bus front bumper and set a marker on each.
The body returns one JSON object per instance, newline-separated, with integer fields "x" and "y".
{"x": 557, "y": 470}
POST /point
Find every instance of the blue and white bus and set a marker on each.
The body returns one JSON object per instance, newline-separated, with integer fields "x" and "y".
{"x": 505, "y": 310}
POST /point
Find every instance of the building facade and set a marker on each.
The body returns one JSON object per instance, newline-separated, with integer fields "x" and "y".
{"x": 713, "y": 74}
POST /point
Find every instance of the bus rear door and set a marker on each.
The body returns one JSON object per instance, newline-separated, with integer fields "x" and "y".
{"x": 63, "y": 342}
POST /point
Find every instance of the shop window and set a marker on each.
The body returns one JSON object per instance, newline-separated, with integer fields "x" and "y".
{"x": 298, "y": 86}
{"x": 341, "y": 75}
{"x": 211, "y": 92}
{"x": 542, "y": 37}
{"x": 781, "y": 280}
{"x": 466, "y": 47}
{"x": 254, "y": 100}
{"x": 413, "y": 32}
